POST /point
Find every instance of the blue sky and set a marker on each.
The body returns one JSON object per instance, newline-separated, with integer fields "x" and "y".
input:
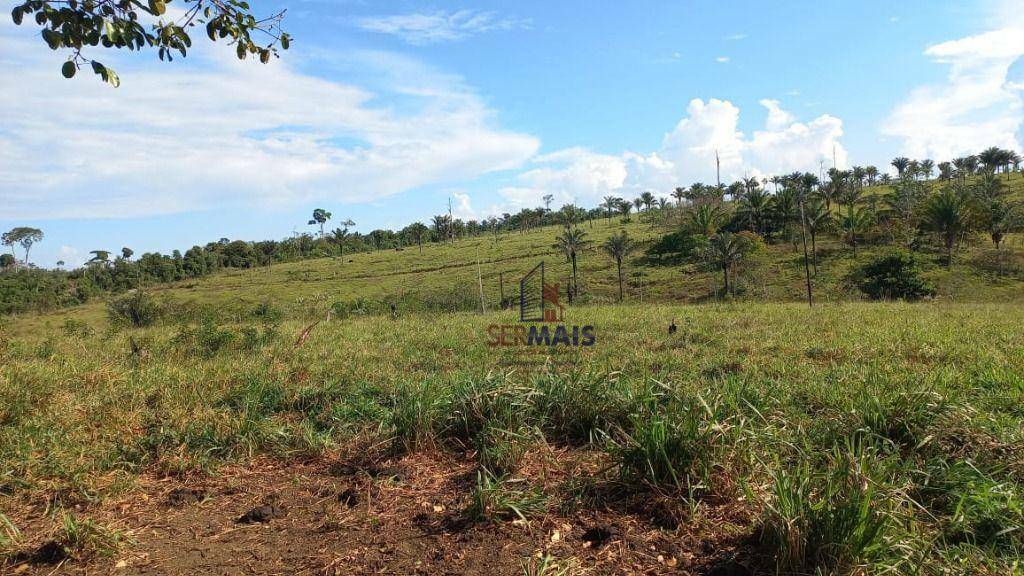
{"x": 382, "y": 111}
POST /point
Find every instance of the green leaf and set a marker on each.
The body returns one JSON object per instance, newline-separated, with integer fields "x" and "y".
{"x": 211, "y": 31}
{"x": 241, "y": 51}
{"x": 68, "y": 69}
{"x": 157, "y": 7}
{"x": 53, "y": 39}
{"x": 265, "y": 56}
{"x": 17, "y": 15}
{"x": 285, "y": 41}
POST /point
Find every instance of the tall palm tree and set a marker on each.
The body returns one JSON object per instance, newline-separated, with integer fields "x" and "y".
{"x": 816, "y": 219}
{"x": 945, "y": 171}
{"x": 724, "y": 250}
{"x": 619, "y": 246}
{"x": 901, "y": 164}
{"x": 872, "y": 173}
{"x": 927, "y": 167}
{"x": 610, "y": 204}
{"x": 679, "y": 193}
{"x": 991, "y": 158}
{"x": 949, "y": 214}
{"x": 571, "y": 241}
{"x": 647, "y": 199}
{"x": 971, "y": 163}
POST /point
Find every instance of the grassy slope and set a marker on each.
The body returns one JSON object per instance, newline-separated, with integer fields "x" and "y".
{"x": 442, "y": 270}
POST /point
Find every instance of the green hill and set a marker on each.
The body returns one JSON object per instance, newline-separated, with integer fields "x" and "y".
{"x": 447, "y": 276}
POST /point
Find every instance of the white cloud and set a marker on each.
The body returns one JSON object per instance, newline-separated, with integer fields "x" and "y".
{"x": 213, "y": 132}
{"x": 722, "y": 59}
{"x": 737, "y": 36}
{"x": 687, "y": 155}
{"x": 440, "y": 26}
{"x": 462, "y": 206}
{"x": 71, "y": 256}
{"x": 979, "y": 105}
{"x": 777, "y": 117}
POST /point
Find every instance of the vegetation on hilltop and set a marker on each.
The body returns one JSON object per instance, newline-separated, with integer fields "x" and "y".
{"x": 845, "y": 221}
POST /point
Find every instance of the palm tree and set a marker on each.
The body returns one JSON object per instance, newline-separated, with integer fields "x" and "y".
{"x": 816, "y": 218}
{"x": 647, "y": 199}
{"x": 570, "y": 242}
{"x": 856, "y": 222}
{"x": 705, "y": 219}
{"x": 756, "y": 203}
{"x": 950, "y": 215}
{"x": 971, "y": 163}
{"x": 872, "y": 173}
{"x": 927, "y": 167}
{"x": 679, "y": 193}
{"x": 724, "y": 250}
{"x": 785, "y": 211}
{"x": 618, "y": 247}
{"x": 442, "y": 225}
{"x": 991, "y": 158}
{"x": 638, "y": 203}
{"x": 945, "y": 171}
{"x": 99, "y": 256}
{"x": 610, "y": 204}
{"x": 901, "y": 164}
{"x": 547, "y": 198}
{"x": 625, "y": 206}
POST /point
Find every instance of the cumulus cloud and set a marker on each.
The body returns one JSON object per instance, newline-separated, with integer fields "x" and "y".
{"x": 687, "y": 155}
{"x": 441, "y": 26}
{"x": 214, "y": 132}
{"x": 980, "y": 104}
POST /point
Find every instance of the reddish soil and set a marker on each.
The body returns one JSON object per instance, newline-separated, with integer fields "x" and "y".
{"x": 397, "y": 516}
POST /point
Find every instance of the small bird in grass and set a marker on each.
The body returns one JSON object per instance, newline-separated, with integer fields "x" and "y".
{"x": 672, "y": 327}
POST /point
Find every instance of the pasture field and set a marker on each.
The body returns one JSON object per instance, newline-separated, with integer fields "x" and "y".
{"x": 848, "y": 438}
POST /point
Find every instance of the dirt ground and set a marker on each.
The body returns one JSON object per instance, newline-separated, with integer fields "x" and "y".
{"x": 396, "y": 516}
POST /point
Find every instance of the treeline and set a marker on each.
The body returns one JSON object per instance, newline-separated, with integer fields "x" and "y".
{"x": 25, "y": 287}
{"x": 969, "y": 196}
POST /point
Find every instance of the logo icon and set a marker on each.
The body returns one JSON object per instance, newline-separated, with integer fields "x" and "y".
{"x": 538, "y": 300}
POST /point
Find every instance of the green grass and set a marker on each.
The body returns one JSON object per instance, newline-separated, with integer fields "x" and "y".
{"x": 913, "y": 409}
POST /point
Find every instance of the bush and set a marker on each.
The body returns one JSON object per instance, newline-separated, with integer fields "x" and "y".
{"x": 673, "y": 248}
{"x": 895, "y": 276}
{"x": 137, "y": 309}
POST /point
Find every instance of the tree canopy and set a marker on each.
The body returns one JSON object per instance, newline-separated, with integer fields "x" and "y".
{"x": 78, "y": 25}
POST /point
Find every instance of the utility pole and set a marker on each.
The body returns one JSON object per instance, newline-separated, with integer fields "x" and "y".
{"x": 718, "y": 170}
{"x": 451, "y": 222}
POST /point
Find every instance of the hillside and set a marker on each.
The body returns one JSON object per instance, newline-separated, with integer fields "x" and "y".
{"x": 444, "y": 277}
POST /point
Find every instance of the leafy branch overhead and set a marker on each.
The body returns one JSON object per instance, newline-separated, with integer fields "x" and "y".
{"x": 76, "y": 25}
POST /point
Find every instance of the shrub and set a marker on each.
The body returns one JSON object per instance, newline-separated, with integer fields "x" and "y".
{"x": 137, "y": 309}
{"x": 894, "y": 276}
{"x": 205, "y": 340}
